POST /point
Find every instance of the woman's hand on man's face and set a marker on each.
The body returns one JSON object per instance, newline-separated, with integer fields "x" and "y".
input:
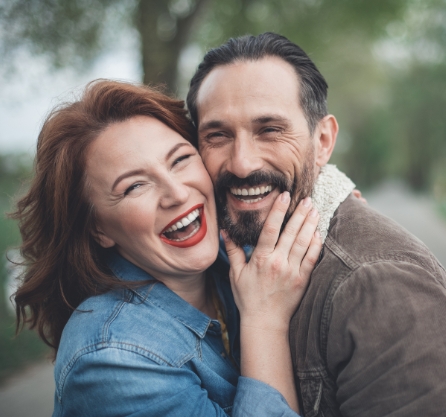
{"x": 270, "y": 286}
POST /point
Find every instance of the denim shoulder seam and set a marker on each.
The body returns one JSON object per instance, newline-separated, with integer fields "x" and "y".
{"x": 115, "y": 313}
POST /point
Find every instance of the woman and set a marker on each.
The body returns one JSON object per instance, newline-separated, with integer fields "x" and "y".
{"x": 120, "y": 236}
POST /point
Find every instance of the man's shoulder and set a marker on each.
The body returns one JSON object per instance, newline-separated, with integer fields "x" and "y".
{"x": 360, "y": 235}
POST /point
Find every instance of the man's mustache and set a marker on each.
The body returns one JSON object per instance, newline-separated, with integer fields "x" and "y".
{"x": 229, "y": 180}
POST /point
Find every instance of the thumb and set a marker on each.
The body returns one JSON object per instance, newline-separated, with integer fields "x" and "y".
{"x": 236, "y": 255}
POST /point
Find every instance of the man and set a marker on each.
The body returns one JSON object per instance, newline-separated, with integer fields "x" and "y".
{"x": 369, "y": 338}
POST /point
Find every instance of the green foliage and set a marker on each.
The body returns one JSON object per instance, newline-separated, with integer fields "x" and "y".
{"x": 403, "y": 133}
{"x": 67, "y": 32}
{"x": 307, "y": 22}
{"x": 419, "y": 100}
{"x": 15, "y": 352}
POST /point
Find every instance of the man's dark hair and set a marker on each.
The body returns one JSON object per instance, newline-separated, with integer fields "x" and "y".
{"x": 313, "y": 91}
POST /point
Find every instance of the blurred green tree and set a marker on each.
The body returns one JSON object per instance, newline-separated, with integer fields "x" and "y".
{"x": 404, "y": 131}
{"x": 73, "y": 32}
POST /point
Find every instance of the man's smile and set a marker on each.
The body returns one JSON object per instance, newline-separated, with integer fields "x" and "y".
{"x": 252, "y": 194}
{"x": 248, "y": 198}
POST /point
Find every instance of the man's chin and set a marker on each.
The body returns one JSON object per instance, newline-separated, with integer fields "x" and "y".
{"x": 243, "y": 227}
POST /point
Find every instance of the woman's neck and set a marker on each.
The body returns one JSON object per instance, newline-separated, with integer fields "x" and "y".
{"x": 195, "y": 291}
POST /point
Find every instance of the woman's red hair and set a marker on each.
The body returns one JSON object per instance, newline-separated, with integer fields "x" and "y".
{"x": 64, "y": 264}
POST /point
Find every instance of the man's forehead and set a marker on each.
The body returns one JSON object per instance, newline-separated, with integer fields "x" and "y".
{"x": 228, "y": 87}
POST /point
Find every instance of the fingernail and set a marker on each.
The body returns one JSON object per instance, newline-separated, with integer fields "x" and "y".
{"x": 306, "y": 202}
{"x": 285, "y": 197}
{"x": 313, "y": 213}
{"x": 317, "y": 234}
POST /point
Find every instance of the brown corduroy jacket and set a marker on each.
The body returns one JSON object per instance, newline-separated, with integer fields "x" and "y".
{"x": 369, "y": 338}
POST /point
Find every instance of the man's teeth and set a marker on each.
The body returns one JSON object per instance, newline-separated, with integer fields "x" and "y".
{"x": 252, "y": 191}
{"x": 185, "y": 221}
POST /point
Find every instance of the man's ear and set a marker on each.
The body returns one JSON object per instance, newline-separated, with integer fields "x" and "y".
{"x": 326, "y": 134}
{"x": 101, "y": 238}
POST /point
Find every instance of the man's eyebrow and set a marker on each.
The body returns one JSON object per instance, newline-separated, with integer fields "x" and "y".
{"x": 212, "y": 124}
{"x": 267, "y": 118}
{"x": 126, "y": 175}
{"x": 270, "y": 118}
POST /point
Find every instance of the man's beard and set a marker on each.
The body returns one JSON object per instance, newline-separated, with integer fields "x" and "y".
{"x": 245, "y": 229}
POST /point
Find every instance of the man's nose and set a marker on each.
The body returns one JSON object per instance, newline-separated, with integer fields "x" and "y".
{"x": 174, "y": 193}
{"x": 244, "y": 157}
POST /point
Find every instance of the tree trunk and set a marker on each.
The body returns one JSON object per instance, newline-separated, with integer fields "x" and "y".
{"x": 163, "y": 36}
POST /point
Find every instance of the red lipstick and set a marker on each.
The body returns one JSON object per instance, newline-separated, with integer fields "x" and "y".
{"x": 193, "y": 240}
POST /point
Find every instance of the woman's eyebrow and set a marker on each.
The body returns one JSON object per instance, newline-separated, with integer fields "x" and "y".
{"x": 127, "y": 174}
{"x": 175, "y": 148}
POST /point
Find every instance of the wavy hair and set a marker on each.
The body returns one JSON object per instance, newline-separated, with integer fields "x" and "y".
{"x": 64, "y": 263}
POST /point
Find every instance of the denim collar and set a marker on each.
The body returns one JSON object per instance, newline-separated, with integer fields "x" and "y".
{"x": 158, "y": 294}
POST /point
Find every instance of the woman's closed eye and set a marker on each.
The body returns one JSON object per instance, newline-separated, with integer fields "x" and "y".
{"x": 181, "y": 158}
{"x": 132, "y": 188}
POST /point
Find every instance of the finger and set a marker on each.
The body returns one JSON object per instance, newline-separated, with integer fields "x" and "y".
{"x": 312, "y": 256}
{"x": 359, "y": 196}
{"x": 357, "y": 193}
{"x": 293, "y": 227}
{"x": 273, "y": 223}
{"x": 236, "y": 255}
{"x": 304, "y": 238}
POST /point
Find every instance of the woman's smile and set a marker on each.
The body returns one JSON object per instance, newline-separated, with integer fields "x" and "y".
{"x": 187, "y": 229}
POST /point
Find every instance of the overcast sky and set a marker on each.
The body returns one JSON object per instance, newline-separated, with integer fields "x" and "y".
{"x": 30, "y": 93}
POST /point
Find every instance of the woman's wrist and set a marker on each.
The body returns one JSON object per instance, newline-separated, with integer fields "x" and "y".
{"x": 265, "y": 323}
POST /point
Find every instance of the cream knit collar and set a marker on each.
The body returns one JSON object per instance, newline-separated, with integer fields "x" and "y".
{"x": 331, "y": 188}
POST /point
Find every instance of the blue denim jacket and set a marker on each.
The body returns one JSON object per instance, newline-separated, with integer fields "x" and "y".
{"x": 147, "y": 352}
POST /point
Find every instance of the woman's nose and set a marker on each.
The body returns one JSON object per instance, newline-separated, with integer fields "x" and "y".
{"x": 175, "y": 192}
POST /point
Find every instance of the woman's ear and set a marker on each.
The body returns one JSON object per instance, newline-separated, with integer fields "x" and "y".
{"x": 100, "y": 237}
{"x": 326, "y": 132}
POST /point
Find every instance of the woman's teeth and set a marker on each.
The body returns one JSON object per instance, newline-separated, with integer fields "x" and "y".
{"x": 185, "y": 221}
{"x": 251, "y": 192}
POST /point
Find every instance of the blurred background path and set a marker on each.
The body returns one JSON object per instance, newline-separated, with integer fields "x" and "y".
{"x": 31, "y": 392}
{"x": 416, "y": 213}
